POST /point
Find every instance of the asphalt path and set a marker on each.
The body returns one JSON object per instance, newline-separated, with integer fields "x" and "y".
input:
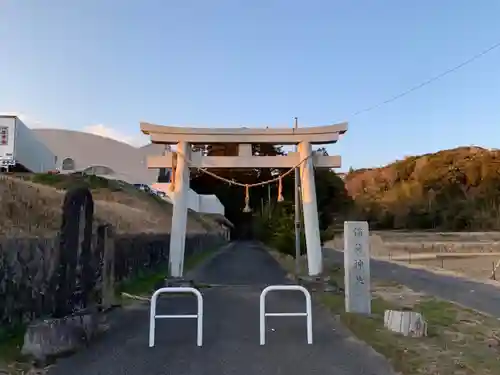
{"x": 472, "y": 294}
{"x": 231, "y": 331}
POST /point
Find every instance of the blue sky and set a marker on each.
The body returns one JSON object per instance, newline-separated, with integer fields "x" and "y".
{"x": 105, "y": 65}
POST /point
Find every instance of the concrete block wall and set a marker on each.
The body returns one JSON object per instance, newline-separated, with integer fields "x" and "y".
{"x": 209, "y": 204}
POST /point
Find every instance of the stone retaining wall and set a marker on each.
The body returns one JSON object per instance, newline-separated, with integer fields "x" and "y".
{"x": 29, "y": 269}
{"x": 27, "y": 279}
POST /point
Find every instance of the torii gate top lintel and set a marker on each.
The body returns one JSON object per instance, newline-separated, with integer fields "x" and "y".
{"x": 283, "y": 136}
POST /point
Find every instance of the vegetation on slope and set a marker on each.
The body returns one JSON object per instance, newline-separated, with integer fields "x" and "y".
{"x": 31, "y": 205}
{"x": 451, "y": 190}
{"x": 275, "y": 225}
{"x": 456, "y": 189}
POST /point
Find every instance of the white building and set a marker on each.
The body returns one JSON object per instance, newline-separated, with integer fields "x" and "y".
{"x": 92, "y": 154}
{"x": 21, "y": 150}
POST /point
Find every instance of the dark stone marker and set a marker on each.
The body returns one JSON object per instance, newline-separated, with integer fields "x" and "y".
{"x": 76, "y": 277}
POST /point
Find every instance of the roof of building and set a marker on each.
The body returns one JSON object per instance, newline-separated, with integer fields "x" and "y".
{"x": 88, "y": 150}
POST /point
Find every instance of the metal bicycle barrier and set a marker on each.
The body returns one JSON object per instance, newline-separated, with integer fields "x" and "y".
{"x": 263, "y": 313}
{"x": 198, "y": 316}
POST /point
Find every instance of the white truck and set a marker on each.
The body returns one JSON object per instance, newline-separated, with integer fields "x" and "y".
{"x": 21, "y": 150}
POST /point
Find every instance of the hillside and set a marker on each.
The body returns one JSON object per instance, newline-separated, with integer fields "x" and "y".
{"x": 31, "y": 206}
{"x": 457, "y": 189}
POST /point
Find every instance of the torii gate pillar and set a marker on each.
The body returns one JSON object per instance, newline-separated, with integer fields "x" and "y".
{"x": 179, "y": 216}
{"x": 310, "y": 210}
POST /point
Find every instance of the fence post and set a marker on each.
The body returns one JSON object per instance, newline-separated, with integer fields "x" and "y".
{"x": 263, "y": 314}
{"x": 106, "y": 241}
{"x": 198, "y": 316}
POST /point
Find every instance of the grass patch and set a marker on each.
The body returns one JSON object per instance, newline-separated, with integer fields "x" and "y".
{"x": 370, "y": 329}
{"x": 438, "y": 313}
{"x": 11, "y": 341}
{"x": 144, "y": 284}
{"x": 457, "y": 342}
{"x": 460, "y": 341}
{"x": 66, "y": 182}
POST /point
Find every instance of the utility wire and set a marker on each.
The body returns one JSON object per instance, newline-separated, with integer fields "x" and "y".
{"x": 429, "y": 81}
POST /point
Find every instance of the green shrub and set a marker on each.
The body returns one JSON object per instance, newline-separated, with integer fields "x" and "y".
{"x": 276, "y": 227}
{"x": 48, "y": 179}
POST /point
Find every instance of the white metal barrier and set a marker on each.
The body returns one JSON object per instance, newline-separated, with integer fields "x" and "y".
{"x": 263, "y": 313}
{"x": 198, "y": 316}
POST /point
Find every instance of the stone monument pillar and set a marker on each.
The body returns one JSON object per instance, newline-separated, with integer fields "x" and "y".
{"x": 357, "y": 267}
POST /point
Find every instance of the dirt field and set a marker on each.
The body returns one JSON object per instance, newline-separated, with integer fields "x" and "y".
{"x": 470, "y": 254}
{"x": 435, "y": 242}
{"x": 474, "y": 267}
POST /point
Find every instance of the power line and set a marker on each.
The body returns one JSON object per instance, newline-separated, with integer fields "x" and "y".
{"x": 429, "y": 81}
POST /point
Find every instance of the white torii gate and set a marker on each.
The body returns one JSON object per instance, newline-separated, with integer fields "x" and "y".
{"x": 185, "y": 137}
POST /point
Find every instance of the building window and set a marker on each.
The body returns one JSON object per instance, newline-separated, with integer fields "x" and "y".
{"x": 165, "y": 175}
{"x": 4, "y": 136}
{"x": 68, "y": 164}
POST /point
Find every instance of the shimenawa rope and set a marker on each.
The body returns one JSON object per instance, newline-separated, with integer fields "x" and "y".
{"x": 236, "y": 183}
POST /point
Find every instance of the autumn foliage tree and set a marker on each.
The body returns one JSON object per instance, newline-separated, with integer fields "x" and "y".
{"x": 456, "y": 189}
